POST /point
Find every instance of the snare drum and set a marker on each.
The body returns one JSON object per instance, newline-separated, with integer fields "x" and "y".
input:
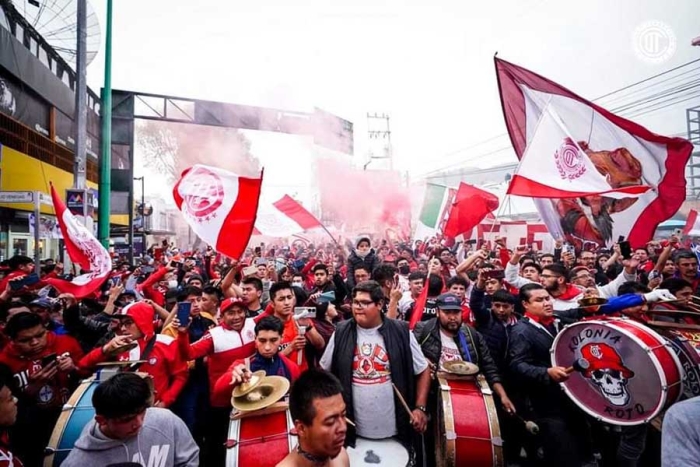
{"x": 260, "y": 440}
{"x": 467, "y": 430}
{"x": 632, "y": 375}
{"x": 378, "y": 452}
{"x": 686, "y": 345}
{"x": 76, "y": 414}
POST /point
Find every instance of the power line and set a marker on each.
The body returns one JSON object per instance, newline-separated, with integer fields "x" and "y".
{"x": 629, "y": 106}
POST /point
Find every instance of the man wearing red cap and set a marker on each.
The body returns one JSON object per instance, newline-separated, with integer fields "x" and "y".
{"x": 233, "y": 339}
{"x": 160, "y": 353}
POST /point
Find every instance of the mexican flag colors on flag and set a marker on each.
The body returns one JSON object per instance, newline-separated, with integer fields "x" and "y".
{"x": 433, "y": 214}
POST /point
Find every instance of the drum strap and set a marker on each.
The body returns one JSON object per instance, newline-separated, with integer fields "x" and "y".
{"x": 471, "y": 339}
{"x": 145, "y": 354}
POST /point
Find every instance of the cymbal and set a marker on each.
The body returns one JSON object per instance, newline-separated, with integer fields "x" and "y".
{"x": 270, "y": 390}
{"x": 461, "y": 368}
{"x": 592, "y": 301}
{"x": 244, "y": 388}
{"x": 125, "y": 363}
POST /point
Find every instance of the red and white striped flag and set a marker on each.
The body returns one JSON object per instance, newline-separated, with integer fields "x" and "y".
{"x": 595, "y": 176}
{"x": 284, "y": 218}
{"x": 692, "y": 224}
{"x": 84, "y": 250}
{"x": 220, "y": 206}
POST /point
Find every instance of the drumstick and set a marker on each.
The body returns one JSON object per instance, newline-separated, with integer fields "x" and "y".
{"x": 403, "y": 401}
{"x": 579, "y": 365}
{"x": 349, "y": 422}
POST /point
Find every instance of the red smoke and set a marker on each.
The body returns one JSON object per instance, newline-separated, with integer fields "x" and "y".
{"x": 366, "y": 201}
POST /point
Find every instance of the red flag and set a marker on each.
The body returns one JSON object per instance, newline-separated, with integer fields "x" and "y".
{"x": 419, "y": 305}
{"x": 284, "y": 218}
{"x": 471, "y": 206}
{"x": 595, "y": 167}
{"x": 692, "y": 226}
{"x": 84, "y": 249}
{"x": 220, "y": 206}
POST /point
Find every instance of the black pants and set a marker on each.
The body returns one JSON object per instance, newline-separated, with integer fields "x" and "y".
{"x": 565, "y": 438}
{"x": 216, "y": 436}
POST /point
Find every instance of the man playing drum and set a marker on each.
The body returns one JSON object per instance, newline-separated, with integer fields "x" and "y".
{"x": 370, "y": 354}
{"x": 317, "y": 408}
{"x": 446, "y": 339}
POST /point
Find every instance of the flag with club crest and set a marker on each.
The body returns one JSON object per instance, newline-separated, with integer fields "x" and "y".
{"x": 283, "y": 218}
{"x": 594, "y": 175}
{"x": 219, "y": 206}
{"x": 84, "y": 250}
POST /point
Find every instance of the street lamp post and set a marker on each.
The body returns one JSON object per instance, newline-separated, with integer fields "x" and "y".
{"x": 142, "y": 212}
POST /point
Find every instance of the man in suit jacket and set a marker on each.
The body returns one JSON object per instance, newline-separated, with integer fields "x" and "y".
{"x": 565, "y": 433}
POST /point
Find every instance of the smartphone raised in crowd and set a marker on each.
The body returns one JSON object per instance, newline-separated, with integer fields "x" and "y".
{"x": 48, "y": 360}
{"x": 309, "y": 310}
{"x": 183, "y": 313}
{"x": 625, "y": 247}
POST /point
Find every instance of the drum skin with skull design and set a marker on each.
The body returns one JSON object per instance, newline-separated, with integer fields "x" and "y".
{"x": 632, "y": 372}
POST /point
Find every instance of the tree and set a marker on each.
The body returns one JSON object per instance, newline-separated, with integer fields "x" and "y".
{"x": 169, "y": 148}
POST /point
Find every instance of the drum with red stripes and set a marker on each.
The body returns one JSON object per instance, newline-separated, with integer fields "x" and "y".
{"x": 260, "y": 440}
{"x": 686, "y": 344}
{"x": 632, "y": 373}
{"x": 467, "y": 430}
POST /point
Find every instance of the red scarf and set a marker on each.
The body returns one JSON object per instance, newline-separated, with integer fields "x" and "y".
{"x": 543, "y": 320}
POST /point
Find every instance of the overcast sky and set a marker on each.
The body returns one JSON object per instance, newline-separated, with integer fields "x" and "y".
{"x": 428, "y": 64}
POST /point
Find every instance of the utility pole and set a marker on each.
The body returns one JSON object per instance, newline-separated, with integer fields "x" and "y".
{"x": 378, "y": 129}
{"x": 79, "y": 167}
{"x": 105, "y": 186}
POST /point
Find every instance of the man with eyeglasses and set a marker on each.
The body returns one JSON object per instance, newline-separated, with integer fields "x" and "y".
{"x": 369, "y": 354}
{"x": 44, "y": 366}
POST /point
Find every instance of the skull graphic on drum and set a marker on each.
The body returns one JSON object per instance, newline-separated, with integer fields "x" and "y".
{"x": 607, "y": 372}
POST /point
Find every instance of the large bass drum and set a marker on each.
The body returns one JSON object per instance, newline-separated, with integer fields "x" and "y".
{"x": 467, "y": 430}
{"x": 76, "y": 414}
{"x": 632, "y": 373}
{"x": 261, "y": 440}
{"x": 686, "y": 345}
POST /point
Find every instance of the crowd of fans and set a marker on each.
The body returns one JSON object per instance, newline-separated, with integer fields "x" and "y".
{"x": 245, "y": 316}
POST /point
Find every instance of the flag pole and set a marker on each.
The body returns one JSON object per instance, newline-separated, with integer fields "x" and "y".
{"x": 329, "y": 234}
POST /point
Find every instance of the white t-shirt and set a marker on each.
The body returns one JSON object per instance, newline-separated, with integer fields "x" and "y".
{"x": 405, "y": 304}
{"x": 450, "y": 351}
{"x": 372, "y": 394}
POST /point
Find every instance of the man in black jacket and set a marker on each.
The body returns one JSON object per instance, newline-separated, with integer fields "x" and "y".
{"x": 564, "y": 430}
{"x": 370, "y": 354}
{"x": 494, "y": 317}
{"x": 446, "y": 338}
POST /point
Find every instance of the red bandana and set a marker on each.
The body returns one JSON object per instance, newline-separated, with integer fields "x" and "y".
{"x": 543, "y": 320}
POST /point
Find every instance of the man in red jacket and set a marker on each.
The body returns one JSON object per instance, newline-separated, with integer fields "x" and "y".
{"x": 268, "y": 336}
{"x": 157, "y": 284}
{"x": 160, "y": 352}
{"x": 43, "y": 366}
{"x": 19, "y": 265}
{"x": 231, "y": 340}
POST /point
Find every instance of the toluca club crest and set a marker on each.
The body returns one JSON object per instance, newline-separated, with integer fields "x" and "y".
{"x": 202, "y": 192}
{"x": 569, "y": 160}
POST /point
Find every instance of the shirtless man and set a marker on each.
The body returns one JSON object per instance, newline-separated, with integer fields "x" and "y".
{"x": 317, "y": 408}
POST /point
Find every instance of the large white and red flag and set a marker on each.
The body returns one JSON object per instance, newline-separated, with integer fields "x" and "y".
{"x": 283, "y": 218}
{"x": 84, "y": 250}
{"x": 594, "y": 176}
{"x": 219, "y": 206}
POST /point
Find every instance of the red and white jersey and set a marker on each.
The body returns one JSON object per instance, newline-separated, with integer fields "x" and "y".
{"x": 222, "y": 346}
